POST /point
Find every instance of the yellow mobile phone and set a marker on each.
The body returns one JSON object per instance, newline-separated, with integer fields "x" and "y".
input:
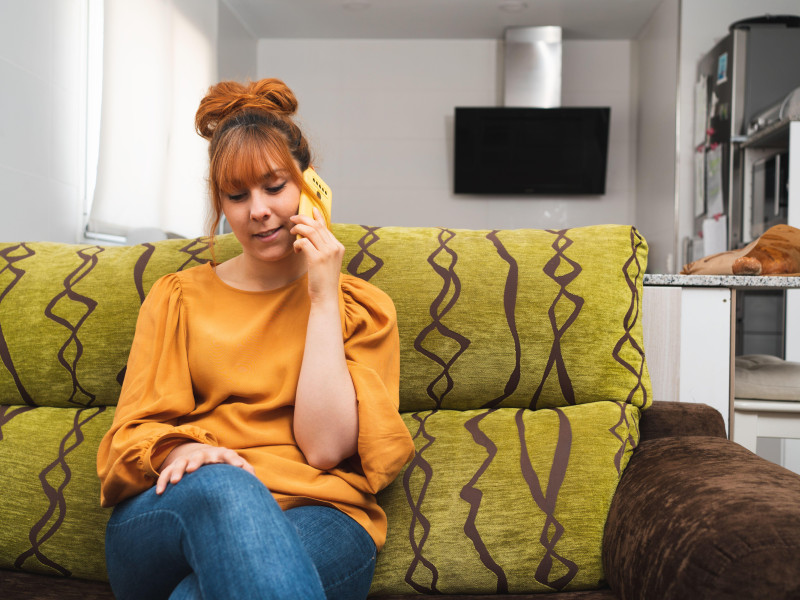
{"x": 323, "y": 196}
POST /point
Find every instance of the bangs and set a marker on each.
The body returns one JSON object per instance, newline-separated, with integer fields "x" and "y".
{"x": 248, "y": 157}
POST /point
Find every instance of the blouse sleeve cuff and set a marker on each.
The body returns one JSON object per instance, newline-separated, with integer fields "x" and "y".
{"x": 156, "y": 449}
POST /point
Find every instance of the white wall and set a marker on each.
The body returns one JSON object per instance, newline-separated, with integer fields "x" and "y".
{"x": 657, "y": 52}
{"x": 237, "y": 49}
{"x": 42, "y": 57}
{"x": 379, "y": 114}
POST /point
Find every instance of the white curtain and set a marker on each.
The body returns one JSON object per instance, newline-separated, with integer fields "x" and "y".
{"x": 159, "y": 58}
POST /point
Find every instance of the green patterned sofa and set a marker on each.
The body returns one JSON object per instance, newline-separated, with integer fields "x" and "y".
{"x": 542, "y": 465}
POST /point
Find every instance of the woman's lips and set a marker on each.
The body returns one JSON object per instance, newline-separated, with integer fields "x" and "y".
{"x": 267, "y": 235}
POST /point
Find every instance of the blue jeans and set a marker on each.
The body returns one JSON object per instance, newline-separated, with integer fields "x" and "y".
{"x": 219, "y": 533}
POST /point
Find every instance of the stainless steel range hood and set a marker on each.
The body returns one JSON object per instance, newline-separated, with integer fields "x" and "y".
{"x": 531, "y": 145}
{"x": 532, "y": 67}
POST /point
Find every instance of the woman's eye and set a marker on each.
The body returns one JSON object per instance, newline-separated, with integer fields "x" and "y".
{"x": 276, "y": 189}
{"x": 236, "y": 197}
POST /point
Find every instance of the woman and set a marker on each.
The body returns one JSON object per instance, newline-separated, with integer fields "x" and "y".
{"x": 258, "y": 416}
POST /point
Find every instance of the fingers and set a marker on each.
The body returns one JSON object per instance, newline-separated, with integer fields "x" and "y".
{"x": 166, "y": 477}
{"x": 172, "y": 474}
{"x": 323, "y": 253}
{"x": 199, "y": 455}
{"x": 307, "y": 222}
{"x": 315, "y": 229}
{"x": 319, "y": 245}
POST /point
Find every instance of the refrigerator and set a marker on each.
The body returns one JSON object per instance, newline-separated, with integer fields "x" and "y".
{"x": 753, "y": 67}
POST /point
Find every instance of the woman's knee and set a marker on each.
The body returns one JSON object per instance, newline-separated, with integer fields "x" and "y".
{"x": 223, "y": 486}
{"x": 219, "y": 504}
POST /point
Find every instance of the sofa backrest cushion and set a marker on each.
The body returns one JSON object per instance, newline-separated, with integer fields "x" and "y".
{"x": 516, "y": 318}
{"x": 68, "y": 313}
{"x": 504, "y": 500}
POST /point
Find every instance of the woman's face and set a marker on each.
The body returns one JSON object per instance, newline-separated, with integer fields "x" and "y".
{"x": 259, "y": 216}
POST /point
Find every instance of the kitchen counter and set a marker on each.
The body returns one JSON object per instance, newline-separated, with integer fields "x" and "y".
{"x": 723, "y": 281}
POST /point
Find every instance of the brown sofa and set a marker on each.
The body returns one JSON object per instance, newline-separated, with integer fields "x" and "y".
{"x": 695, "y": 516}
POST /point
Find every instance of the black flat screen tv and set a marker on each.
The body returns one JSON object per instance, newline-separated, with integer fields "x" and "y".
{"x": 545, "y": 151}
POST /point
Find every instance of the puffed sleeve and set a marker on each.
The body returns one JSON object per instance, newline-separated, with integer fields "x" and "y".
{"x": 157, "y": 391}
{"x": 372, "y": 350}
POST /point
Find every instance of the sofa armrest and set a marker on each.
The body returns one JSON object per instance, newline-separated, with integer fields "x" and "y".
{"x": 668, "y": 419}
{"x": 19, "y": 585}
{"x": 702, "y": 517}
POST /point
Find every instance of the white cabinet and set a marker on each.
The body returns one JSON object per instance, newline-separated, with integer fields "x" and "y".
{"x": 688, "y": 343}
{"x": 689, "y": 326}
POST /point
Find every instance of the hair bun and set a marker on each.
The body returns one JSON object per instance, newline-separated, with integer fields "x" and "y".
{"x": 229, "y": 97}
{"x": 275, "y": 95}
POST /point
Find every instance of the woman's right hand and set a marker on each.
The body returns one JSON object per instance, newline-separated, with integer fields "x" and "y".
{"x": 188, "y": 457}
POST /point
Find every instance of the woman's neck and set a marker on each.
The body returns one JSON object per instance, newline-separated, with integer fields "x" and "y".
{"x": 250, "y": 274}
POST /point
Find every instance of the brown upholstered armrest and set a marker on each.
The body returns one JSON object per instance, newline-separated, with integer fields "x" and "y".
{"x": 701, "y": 517}
{"x": 18, "y": 585}
{"x": 667, "y": 419}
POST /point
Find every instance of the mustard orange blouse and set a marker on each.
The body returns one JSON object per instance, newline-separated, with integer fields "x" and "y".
{"x": 219, "y": 365}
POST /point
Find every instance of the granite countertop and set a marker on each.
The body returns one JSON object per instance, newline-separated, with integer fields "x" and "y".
{"x": 728, "y": 281}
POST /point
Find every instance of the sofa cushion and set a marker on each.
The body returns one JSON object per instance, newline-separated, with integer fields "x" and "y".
{"x": 52, "y": 520}
{"x": 515, "y": 318}
{"x": 68, "y": 312}
{"x": 504, "y": 500}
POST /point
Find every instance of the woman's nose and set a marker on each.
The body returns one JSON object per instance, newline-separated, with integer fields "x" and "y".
{"x": 260, "y": 208}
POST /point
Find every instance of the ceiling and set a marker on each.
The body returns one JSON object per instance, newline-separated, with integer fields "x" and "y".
{"x": 440, "y": 19}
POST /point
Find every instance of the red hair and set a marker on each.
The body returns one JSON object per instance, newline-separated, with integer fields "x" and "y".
{"x": 251, "y": 135}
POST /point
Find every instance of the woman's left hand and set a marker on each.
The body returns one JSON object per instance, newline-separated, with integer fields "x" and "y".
{"x": 324, "y": 254}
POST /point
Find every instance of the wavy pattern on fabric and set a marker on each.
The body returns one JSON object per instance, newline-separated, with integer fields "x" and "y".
{"x": 545, "y": 500}
{"x": 11, "y": 256}
{"x": 509, "y": 305}
{"x": 417, "y": 541}
{"x": 505, "y": 500}
{"x": 89, "y": 258}
{"x": 632, "y": 316}
{"x": 53, "y": 522}
{"x": 441, "y": 305}
{"x": 487, "y": 318}
{"x": 58, "y": 470}
{"x": 551, "y": 269}
{"x": 195, "y": 249}
{"x": 511, "y": 318}
{"x": 354, "y": 264}
{"x": 139, "y": 268}
{"x": 627, "y": 433}
{"x": 473, "y": 495}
